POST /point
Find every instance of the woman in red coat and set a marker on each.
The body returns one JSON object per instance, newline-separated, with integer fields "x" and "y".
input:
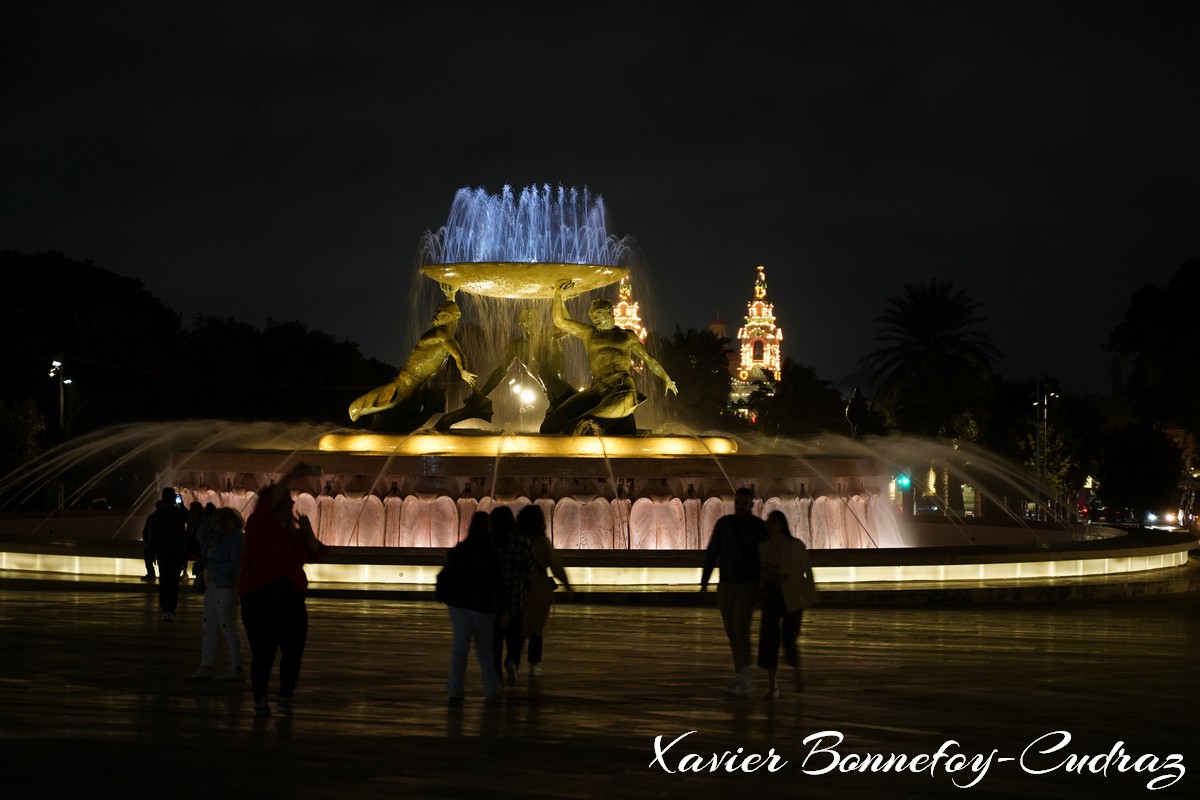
{"x": 271, "y": 585}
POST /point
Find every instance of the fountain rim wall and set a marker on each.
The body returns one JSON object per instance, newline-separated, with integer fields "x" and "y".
{"x": 739, "y": 465}
{"x": 997, "y": 566}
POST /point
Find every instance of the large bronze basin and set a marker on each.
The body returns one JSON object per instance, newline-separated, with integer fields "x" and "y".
{"x": 522, "y": 281}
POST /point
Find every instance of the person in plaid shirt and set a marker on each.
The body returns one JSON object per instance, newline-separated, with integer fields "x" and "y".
{"x": 516, "y": 559}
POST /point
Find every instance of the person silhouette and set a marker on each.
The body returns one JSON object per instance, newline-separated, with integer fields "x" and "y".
{"x": 272, "y": 584}
{"x": 148, "y": 543}
{"x": 168, "y": 529}
{"x": 785, "y": 568}
{"x": 733, "y": 549}
{"x": 856, "y": 412}
{"x": 531, "y": 522}
{"x": 475, "y": 603}
{"x": 516, "y": 559}
{"x": 221, "y": 545}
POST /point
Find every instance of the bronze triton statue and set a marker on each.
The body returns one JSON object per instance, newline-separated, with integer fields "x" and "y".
{"x": 610, "y": 351}
{"x": 408, "y": 394}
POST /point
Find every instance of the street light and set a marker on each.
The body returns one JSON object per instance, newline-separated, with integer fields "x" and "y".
{"x": 56, "y": 370}
{"x": 1043, "y": 442}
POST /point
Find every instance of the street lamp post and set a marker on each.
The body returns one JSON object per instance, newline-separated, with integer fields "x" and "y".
{"x": 1046, "y": 442}
{"x": 56, "y": 371}
{"x": 1041, "y": 457}
{"x": 1037, "y": 454}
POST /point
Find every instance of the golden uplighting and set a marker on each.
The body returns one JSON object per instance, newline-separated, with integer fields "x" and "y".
{"x": 526, "y": 445}
{"x": 401, "y": 574}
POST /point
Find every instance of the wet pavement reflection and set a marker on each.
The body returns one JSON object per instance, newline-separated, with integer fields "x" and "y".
{"x": 96, "y": 695}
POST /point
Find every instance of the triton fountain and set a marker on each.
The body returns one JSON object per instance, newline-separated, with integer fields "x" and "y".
{"x": 420, "y": 458}
{"x": 399, "y": 481}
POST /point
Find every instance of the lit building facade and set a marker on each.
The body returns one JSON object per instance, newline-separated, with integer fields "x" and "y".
{"x": 759, "y": 343}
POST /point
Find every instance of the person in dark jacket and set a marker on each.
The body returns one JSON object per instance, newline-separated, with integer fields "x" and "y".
{"x": 476, "y": 601}
{"x": 168, "y": 530}
{"x": 148, "y": 543}
{"x": 733, "y": 549}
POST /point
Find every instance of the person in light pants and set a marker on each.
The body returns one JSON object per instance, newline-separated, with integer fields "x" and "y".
{"x": 221, "y": 544}
{"x": 475, "y": 600}
{"x": 733, "y": 549}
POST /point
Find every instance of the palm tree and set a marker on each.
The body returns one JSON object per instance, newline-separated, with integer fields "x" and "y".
{"x": 935, "y": 368}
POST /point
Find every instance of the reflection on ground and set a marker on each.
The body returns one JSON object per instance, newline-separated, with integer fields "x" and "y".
{"x": 96, "y": 681}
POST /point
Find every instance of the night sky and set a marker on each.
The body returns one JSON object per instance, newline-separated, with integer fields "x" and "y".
{"x": 282, "y": 160}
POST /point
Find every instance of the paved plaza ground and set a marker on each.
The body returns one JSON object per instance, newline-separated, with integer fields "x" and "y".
{"x": 96, "y": 697}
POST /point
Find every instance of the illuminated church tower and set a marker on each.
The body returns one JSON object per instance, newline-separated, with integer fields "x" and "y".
{"x": 626, "y": 313}
{"x": 759, "y": 340}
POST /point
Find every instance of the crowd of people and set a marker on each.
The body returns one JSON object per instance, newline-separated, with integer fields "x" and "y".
{"x": 497, "y": 583}
{"x": 253, "y": 566}
{"x": 497, "y": 588}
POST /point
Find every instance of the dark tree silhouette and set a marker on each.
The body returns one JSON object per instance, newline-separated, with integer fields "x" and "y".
{"x": 110, "y": 332}
{"x": 1158, "y": 335}
{"x": 20, "y": 424}
{"x": 935, "y": 367}
{"x": 284, "y": 371}
{"x": 697, "y": 361}
{"x": 130, "y": 359}
{"x": 803, "y": 404}
{"x": 1139, "y": 469}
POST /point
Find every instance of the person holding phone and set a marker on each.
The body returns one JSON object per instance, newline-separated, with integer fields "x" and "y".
{"x": 272, "y": 585}
{"x": 167, "y": 529}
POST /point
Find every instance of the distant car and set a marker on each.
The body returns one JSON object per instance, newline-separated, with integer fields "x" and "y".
{"x": 99, "y": 503}
{"x": 1116, "y": 516}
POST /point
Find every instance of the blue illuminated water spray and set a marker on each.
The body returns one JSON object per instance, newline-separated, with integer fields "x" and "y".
{"x": 546, "y": 225}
